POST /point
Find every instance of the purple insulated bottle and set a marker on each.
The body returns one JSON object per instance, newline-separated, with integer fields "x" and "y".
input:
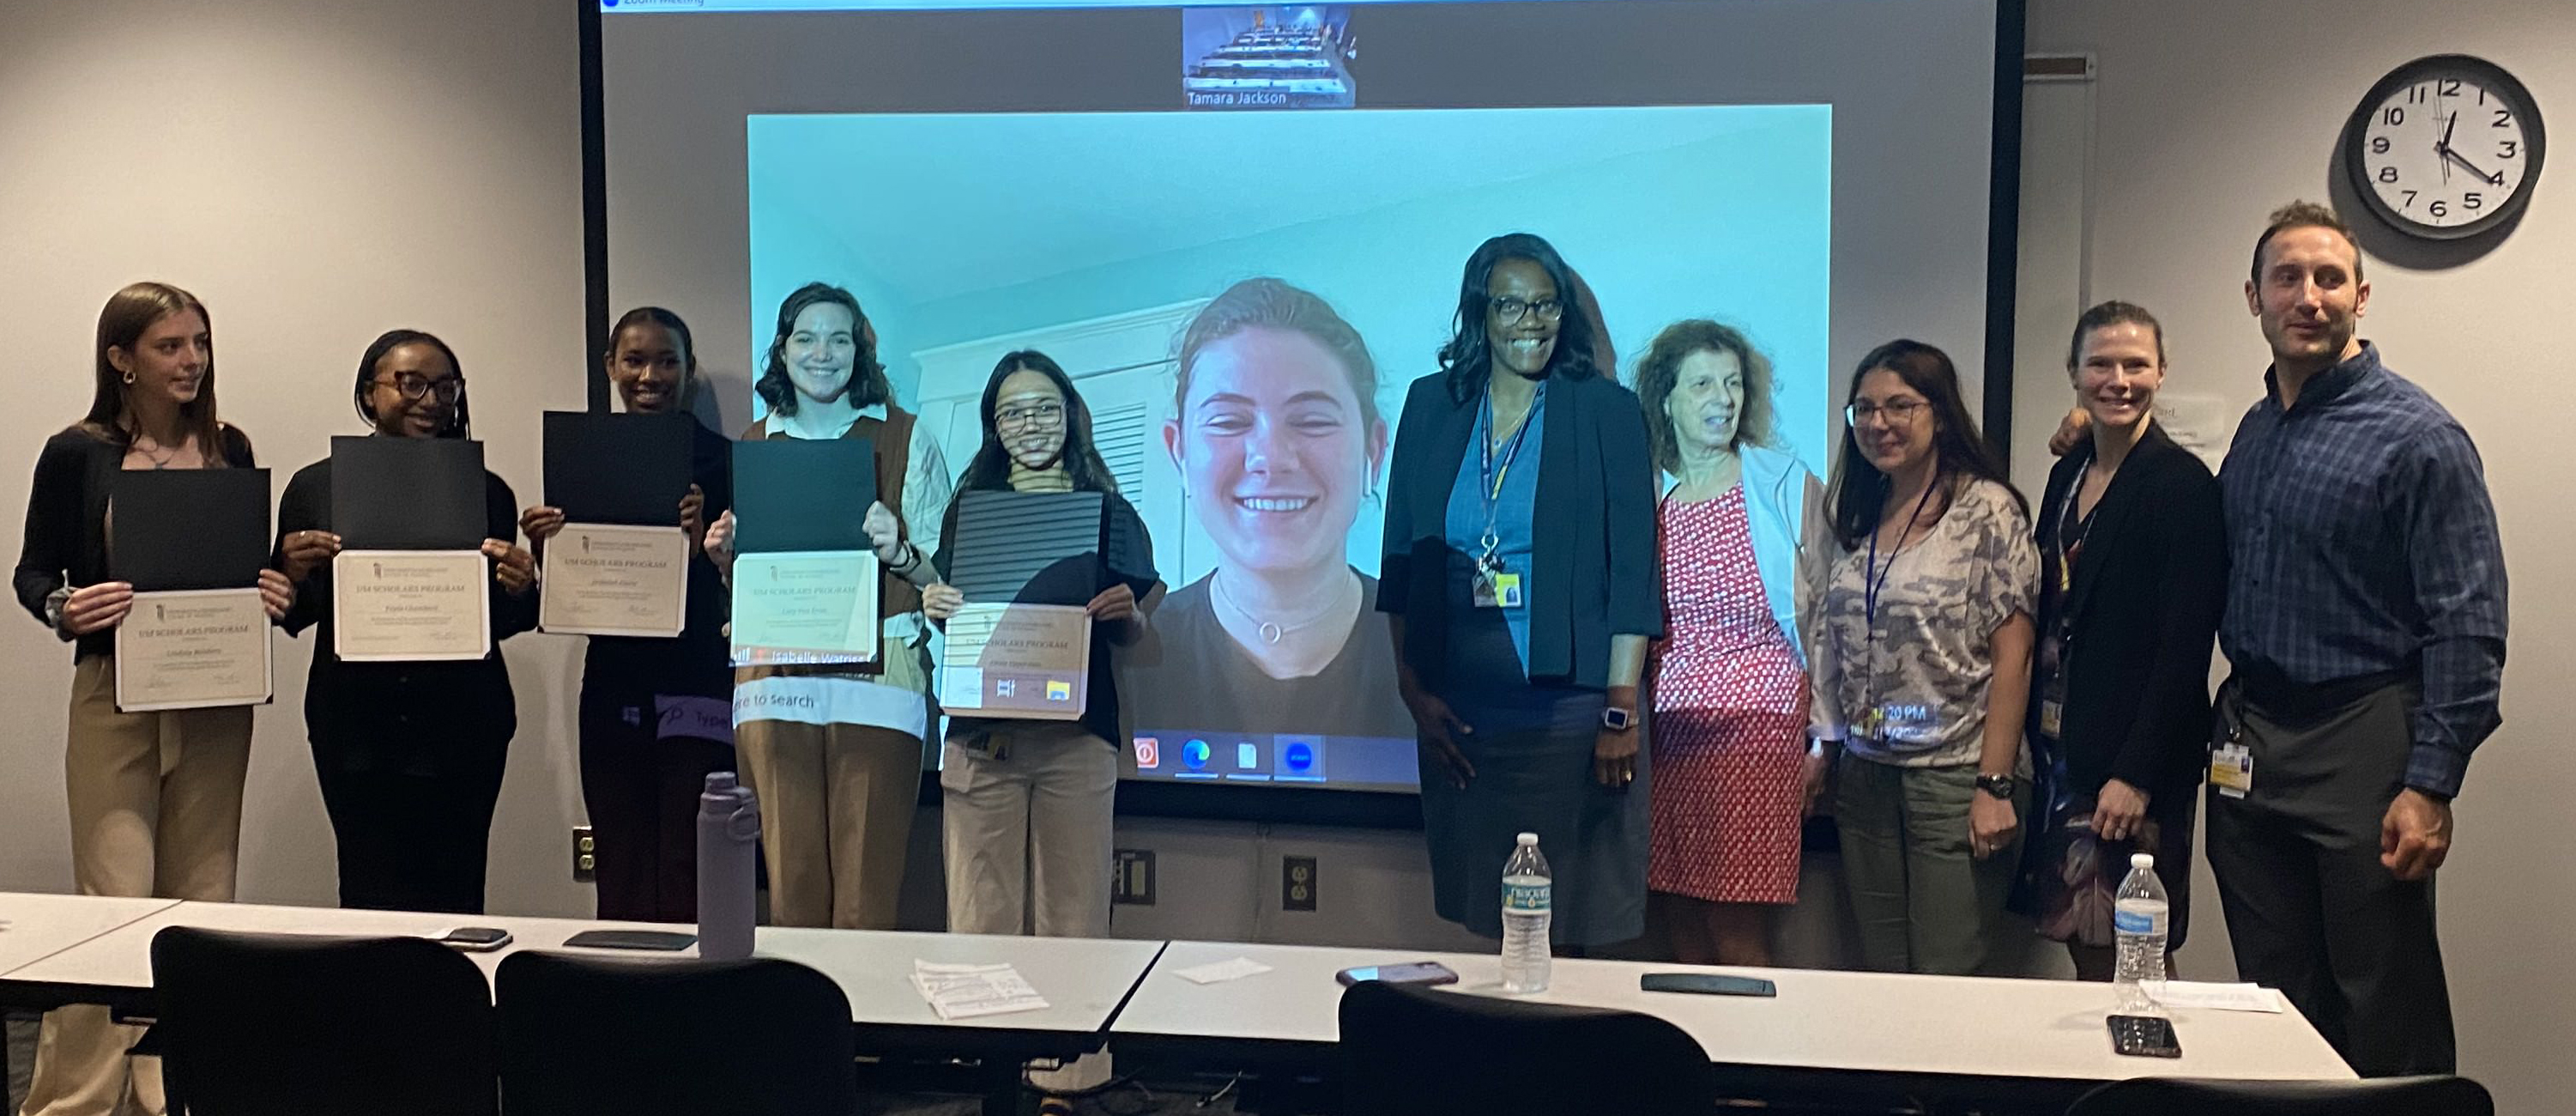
{"x": 728, "y": 827}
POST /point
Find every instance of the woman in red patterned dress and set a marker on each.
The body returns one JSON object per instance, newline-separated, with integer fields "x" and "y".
{"x": 1734, "y": 776}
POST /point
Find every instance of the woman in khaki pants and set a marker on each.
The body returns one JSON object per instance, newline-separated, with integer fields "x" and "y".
{"x": 155, "y": 797}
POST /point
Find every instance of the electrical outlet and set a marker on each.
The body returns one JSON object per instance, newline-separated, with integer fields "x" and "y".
{"x": 1297, "y": 883}
{"x": 585, "y": 855}
{"x": 1133, "y": 882}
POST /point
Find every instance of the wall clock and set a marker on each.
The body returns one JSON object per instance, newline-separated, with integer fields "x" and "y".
{"x": 2445, "y": 147}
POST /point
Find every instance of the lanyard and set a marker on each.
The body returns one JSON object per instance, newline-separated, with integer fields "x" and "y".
{"x": 1872, "y": 578}
{"x": 1489, "y": 473}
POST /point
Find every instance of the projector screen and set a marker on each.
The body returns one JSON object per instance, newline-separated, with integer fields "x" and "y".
{"x": 1083, "y": 179}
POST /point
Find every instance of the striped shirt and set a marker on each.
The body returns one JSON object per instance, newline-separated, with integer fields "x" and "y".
{"x": 2361, "y": 542}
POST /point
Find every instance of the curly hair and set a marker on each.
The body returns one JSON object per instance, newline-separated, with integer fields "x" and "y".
{"x": 1659, "y": 371}
{"x": 868, "y": 383}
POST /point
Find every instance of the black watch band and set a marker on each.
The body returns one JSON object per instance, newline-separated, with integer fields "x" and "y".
{"x": 2000, "y": 786}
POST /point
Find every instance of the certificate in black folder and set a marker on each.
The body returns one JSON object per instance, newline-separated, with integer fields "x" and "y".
{"x": 192, "y": 541}
{"x": 623, "y": 469}
{"x": 805, "y": 577}
{"x": 1027, "y": 563}
{"x": 407, "y": 493}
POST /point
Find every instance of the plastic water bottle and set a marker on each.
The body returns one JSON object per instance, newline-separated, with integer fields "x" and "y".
{"x": 728, "y": 827}
{"x": 1526, "y": 903}
{"x": 2139, "y": 916}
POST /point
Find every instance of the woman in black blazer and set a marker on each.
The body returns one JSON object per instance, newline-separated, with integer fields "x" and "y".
{"x": 2134, "y": 558}
{"x": 1522, "y": 588}
{"x": 409, "y": 754}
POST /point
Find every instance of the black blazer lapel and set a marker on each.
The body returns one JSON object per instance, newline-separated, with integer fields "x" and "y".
{"x": 2111, "y": 518}
{"x": 1551, "y": 589}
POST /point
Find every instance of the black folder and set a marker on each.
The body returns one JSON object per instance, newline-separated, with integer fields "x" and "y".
{"x": 408, "y": 493}
{"x": 802, "y": 494}
{"x": 1026, "y": 547}
{"x": 625, "y": 469}
{"x": 188, "y": 528}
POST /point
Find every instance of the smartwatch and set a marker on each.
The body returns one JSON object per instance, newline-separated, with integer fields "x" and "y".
{"x": 2000, "y": 786}
{"x": 1617, "y": 719}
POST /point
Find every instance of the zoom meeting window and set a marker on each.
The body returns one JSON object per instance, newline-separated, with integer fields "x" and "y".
{"x": 1087, "y": 179}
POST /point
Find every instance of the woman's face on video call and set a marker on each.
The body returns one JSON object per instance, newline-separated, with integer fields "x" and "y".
{"x": 1274, "y": 449}
{"x": 1030, "y": 414}
{"x": 1707, "y": 400}
{"x": 820, "y": 350}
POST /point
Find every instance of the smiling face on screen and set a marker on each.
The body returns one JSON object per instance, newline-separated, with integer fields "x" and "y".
{"x": 1029, "y": 416}
{"x": 1274, "y": 448}
{"x": 821, "y": 350}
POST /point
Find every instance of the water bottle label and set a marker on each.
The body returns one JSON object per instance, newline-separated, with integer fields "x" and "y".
{"x": 1525, "y": 898}
{"x": 2137, "y": 922}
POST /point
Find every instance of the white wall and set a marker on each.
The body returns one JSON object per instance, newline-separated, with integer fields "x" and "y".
{"x": 2207, "y": 114}
{"x": 318, "y": 171}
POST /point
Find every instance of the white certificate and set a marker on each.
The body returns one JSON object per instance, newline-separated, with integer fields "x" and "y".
{"x": 611, "y": 580}
{"x": 1017, "y": 660}
{"x": 410, "y": 605}
{"x": 815, "y": 606}
{"x": 193, "y": 649}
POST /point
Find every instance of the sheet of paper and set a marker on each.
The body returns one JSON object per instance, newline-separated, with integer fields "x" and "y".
{"x": 608, "y": 579}
{"x": 2216, "y": 997}
{"x": 193, "y": 649}
{"x": 967, "y": 991}
{"x": 1216, "y": 971}
{"x": 805, "y": 607}
{"x": 411, "y": 605}
{"x": 1017, "y": 660}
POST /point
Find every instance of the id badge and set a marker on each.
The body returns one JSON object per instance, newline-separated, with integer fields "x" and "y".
{"x": 1498, "y": 587}
{"x": 2051, "y": 712}
{"x": 2231, "y": 769}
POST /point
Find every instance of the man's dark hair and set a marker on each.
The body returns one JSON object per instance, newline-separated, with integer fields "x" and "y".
{"x": 2305, "y": 215}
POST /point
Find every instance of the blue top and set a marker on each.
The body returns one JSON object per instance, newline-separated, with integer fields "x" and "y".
{"x": 2361, "y": 541}
{"x": 1465, "y": 529}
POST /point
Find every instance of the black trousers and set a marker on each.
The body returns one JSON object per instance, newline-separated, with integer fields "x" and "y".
{"x": 413, "y": 835}
{"x": 641, "y": 789}
{"x": 2310, "y": 909}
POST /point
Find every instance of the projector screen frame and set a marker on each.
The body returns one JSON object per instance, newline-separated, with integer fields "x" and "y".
{"x": 1374, "y": 809}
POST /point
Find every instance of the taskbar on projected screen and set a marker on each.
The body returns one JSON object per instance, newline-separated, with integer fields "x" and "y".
{"x": 1283, "y": 759}
{"x": 618, "y": 6}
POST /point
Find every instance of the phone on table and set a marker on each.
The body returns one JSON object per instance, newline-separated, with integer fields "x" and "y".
{"x": 1420, "y": 972}
{"x": 659, "y": 941}
{"x": 475, "y": 939}
{"x": 1707, "y": 984}
{"x": 2144, "y": 1036}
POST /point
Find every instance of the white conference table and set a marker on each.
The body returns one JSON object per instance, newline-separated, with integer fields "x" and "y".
{"x": 2035, "y": 1039}
{"x": 34, "y": 927}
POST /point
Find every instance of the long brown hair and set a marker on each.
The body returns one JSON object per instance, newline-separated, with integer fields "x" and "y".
{"x": 121, "y": 323}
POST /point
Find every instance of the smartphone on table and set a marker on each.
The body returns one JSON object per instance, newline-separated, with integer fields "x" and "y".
{"x": 1707, "y": 984}
{"x": 475, "y": 939}
{"x": 2144, "y": 1036}
{"x": 1420, "y": 972}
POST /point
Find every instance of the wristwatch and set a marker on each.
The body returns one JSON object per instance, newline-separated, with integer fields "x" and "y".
{"x": 1617, "y": 719}
{"x": 2000, "y": 786}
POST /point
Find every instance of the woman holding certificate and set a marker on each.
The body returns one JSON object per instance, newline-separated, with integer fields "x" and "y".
{"x": 155, "y": 797}
{"x": 834, "y": 751}
{"x": 409, "y": 753}
{"x": 656, "y": 714}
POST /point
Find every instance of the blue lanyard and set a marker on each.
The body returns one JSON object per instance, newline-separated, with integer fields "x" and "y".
{"x": 1490, "y": 476}
{"x": 1872, "y": 578}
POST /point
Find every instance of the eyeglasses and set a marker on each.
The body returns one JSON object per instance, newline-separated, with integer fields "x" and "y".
{"x": 1042, "y": 416}
{"x": 1902, "y": 412}
{"x": 416, "y": 389}
{"x": 1508, "y": 310}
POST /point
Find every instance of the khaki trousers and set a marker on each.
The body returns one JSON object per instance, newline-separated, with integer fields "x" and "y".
{"x": 836, "y": 808}
{"x": 156, "y": 802}
{"x": 1034, "y": 812}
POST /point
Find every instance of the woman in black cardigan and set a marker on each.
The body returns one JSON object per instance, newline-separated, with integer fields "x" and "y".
{"x": 409, "y": 754}
{"x": 1522, "y": 588}
{"x": 2134, "y": 558}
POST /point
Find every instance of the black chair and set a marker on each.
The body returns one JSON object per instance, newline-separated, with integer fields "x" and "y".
{"x": 2387, "y": 1096}
{"x": 1415, "y": 1052}
{"x": 594, "y": 1036}
{"x": 286, "y": 1024}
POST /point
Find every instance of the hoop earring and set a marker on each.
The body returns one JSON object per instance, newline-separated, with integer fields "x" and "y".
{"x": 128, "y": 379}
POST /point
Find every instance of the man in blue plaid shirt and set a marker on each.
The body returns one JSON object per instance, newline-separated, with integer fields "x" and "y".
{"x": 2365, "y": 624}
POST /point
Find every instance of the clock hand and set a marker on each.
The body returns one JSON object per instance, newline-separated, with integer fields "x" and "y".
{"x": 2451, "y": 156}
{"x": 2442, "y": 147}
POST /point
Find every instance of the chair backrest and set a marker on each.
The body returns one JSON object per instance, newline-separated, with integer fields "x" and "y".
{"x": 272, "y": 1024}
{"x": 599, "y": 1035}
{"x": 2387, "y": 1096}
{"x": 1417, "y": 1052}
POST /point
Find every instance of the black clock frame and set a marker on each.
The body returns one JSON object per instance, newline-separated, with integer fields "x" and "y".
{"x": 2517, "y": 98}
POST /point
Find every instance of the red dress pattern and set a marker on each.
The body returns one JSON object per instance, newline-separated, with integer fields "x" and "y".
{"x": 1729, "y": 730}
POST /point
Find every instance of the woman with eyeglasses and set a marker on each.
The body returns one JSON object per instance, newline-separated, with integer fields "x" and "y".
{"x": 409, "y": 754}
{"x": 1522, "y": 588}
{"x": 835, "y": 750}
{"x": 656, "y": 715}
{"x": 155, "y": 798}
{"x": 1925, "y": 650}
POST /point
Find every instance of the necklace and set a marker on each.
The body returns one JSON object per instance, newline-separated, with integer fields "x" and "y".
{"x": 163, "y": 461}
{"x": 1272, "y": 631}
